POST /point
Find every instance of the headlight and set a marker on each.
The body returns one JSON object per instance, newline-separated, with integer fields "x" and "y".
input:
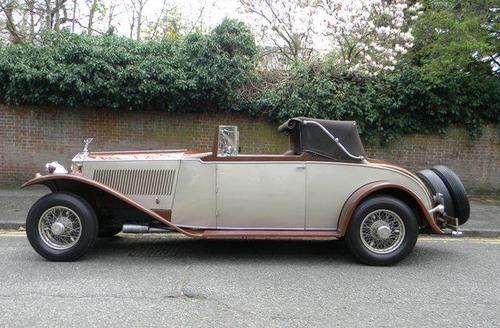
{"x": 56, "y": 168}
{"x": 76, "y": 168}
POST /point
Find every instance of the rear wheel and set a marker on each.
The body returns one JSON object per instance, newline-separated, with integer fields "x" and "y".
{"x": 61, "y": 226}
{"x": 382, "y": 231}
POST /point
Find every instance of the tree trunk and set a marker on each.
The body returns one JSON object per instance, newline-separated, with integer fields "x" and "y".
{"x": 48, "y": 14}
{"x": 31, "y": 8}
{"x": 73, "y": 16}
{"x": 139, "y": 21}
{"x": 132, "y": 24}
{"x": 112, "y": 7}
{"x": 93, "y": 8}
{"x": 14, "y": 34}
{"x": 57, "y": 11}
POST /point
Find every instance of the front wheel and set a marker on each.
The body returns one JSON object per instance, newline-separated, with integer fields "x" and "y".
{"x": 382, "y": 231}
{"x": 61, "y": 226}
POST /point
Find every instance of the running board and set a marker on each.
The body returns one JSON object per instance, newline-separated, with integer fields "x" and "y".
{"x": 327, "y": 234}
{"x": 214, "y": 234}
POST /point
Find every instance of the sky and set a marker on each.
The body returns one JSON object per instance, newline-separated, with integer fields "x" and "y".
{"x": 213, "y": 13}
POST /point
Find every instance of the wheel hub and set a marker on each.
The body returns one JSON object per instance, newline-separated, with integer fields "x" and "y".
{"x": 57, "y": 228}
{"x": 384, "y": 232}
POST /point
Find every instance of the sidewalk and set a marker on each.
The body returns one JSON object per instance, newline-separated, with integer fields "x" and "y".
{"x": 15, "y": 204}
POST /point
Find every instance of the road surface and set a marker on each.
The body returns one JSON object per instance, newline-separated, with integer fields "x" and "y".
{"x": 172, "y": 281}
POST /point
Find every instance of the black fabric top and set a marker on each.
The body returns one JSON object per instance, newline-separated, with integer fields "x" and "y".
{"x": 312, "y": 139}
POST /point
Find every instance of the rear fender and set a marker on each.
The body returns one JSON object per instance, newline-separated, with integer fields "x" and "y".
{"x": 378, "y": 187}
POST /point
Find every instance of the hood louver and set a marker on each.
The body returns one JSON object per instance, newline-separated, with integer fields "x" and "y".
{"x": 137, "y": 182}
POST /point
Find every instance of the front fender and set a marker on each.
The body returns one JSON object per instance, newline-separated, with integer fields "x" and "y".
{"x": 73, "y": 183}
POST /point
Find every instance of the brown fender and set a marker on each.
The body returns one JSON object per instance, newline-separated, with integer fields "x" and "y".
{"x": 52, "y": 180}
{"x": 359, "y": 195}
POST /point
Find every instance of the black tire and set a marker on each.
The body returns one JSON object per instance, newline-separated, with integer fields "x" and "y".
{"x": 109, "y": 231}
{"x": 84, "y": 212}
{"x": 436, "y": 185}
{"x": 457, "y": 192}
{"x": 401, "y": 249}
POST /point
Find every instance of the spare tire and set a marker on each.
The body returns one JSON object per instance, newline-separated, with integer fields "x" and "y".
{"x": 436, "y": 185}
{"x": 457, "y": 192}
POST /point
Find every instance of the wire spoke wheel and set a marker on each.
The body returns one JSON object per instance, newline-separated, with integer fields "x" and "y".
{"x": 382, "y": 231}
{"x": 60, "y": 227}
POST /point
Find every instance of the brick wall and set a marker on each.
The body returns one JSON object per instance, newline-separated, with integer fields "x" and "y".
{"x": 477, "y": 163}
{"x": 33, "y": 136}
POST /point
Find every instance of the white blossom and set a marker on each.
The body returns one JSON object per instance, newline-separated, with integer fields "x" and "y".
{"x": 369, "y": 33}
{"x": 363, "y": 35}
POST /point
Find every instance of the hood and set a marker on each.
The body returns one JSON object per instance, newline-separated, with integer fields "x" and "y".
{"x": 130, "y": 155}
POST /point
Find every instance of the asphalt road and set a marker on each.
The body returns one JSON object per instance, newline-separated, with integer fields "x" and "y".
{"x": 178, "y": 282}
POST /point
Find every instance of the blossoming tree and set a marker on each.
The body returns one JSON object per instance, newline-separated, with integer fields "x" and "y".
{"x": 368, "y": 35}
{"x": 364, "y": 35}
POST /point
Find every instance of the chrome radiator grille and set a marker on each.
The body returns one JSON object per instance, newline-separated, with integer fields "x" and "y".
{"x": 137, "y": 182}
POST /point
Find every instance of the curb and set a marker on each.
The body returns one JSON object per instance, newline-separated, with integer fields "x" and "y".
{"x": 12, "y": 225}
{"x": 483, "y": 233}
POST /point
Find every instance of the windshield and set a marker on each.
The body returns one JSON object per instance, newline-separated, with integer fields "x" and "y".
{"x": 228, "y": 140}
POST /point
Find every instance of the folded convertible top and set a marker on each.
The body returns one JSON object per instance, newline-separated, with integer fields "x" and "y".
{"x": 312, "y": 139}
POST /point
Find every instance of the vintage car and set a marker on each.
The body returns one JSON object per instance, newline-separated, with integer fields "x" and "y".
{"x": 323, "y": 187}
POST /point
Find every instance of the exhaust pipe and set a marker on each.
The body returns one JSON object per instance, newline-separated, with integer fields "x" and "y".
{"x": 137, "y": 228}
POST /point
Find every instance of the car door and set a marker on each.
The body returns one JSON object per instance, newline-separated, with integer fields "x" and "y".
{"x": 260, "y": 195}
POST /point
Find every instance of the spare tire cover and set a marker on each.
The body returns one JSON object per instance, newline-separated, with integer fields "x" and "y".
{"x": 436, "y": 185}
{"x": 456, "y": 190}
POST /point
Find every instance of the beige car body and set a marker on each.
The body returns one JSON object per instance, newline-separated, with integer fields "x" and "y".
{"x": 237, "y": 198}
{"x": 265, "y": 195}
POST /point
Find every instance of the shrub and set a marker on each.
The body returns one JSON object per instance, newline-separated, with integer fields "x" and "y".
{"x": 196, "y": 73}
{"x": 384, "y": 106}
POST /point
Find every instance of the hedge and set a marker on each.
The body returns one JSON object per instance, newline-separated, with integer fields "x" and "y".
{"x": 197, "y": 73}
{"x": 217, "y": 72}
{"x": 384, "y": 106}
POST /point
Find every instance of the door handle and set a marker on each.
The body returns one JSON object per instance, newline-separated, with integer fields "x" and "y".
{"x": 300, "y": 167}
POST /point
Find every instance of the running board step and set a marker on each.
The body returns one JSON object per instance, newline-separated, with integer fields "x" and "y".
{"x": 270, "y": 234}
